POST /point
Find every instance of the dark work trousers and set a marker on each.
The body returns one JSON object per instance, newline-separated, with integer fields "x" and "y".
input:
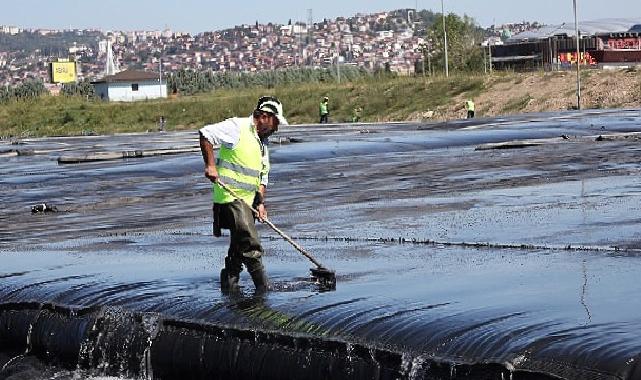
{"x": 470, "y": 114}
{"x": 244, "y": 247}
{"x": 324, "y": 119}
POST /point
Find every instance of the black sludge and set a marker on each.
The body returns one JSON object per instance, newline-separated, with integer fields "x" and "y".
{"x": 454, "y": 259}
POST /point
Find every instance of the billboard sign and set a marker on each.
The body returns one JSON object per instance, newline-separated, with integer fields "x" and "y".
{"x": 63, "y": 72}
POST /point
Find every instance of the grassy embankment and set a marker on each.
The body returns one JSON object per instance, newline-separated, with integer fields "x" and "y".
{"x": 382, "y": 99}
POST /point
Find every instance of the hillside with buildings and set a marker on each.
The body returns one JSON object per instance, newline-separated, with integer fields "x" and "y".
{"x": 395, "y": 40}
{"x": 387, "y": 39}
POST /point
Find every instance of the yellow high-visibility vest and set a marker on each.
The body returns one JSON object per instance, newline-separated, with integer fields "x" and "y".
{"x": 322, "y": 109}
{"x": 469, "y": 105}
{"x": 240, "y": 168}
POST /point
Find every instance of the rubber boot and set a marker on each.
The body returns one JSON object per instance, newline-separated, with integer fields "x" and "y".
{"x": 260, "y": 279}
{"x": 228, "y": 283}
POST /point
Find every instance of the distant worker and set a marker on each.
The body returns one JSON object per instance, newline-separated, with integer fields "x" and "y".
{"x": 242, "y": 164}
{"x": 161, "y": 124}
{"x": 324, "y": 111}
{"x": 356, "y": 114}
{"x": 469, "y": 107}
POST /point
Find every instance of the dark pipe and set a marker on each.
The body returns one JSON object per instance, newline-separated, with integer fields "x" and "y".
{"x": 112, "y": 341}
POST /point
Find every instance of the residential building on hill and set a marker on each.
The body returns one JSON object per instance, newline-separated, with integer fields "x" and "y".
{"x": 363, "y": 40}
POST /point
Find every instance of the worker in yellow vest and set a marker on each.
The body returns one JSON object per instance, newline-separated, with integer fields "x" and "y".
{"x": 242, "y": 164}
{"x": 469, "y": 107}
{"x": 323, "y": 110}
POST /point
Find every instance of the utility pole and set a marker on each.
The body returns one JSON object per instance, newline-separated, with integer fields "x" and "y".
{"x": 485, "y": 60}
{"x": 338, "y": 64}
{"x": 424, "y": 51}
{"x": 310, "y": 33}
{"x": 578, "y": 60}
{"x": 447, "y": 69}
{"x": 550, "y": 52}
{"x": 489, "y": 49}
{"x": 160, "y": 70}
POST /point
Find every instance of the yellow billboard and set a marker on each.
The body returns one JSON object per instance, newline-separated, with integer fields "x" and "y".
{"x": 63, "y": 72}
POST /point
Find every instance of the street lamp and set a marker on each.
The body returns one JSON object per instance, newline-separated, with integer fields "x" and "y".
{"x": 578, "y": 60}
{"x": 447, "y": 70}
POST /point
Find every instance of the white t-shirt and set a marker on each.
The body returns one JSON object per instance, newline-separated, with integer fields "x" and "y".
{"x": 227, "y": 134}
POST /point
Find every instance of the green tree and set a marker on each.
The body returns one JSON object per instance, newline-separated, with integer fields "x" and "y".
{"x": 463, "y": 43}
{"x": 30, "y": 89}
{"x": 189, "y": 82}
{"x": 83, "y": 89}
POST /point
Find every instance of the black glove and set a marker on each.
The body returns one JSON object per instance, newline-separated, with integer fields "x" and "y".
{"x": 258, "y": 200}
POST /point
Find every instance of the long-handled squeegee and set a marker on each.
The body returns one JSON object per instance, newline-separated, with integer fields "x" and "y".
{"x": 326, "y": 278}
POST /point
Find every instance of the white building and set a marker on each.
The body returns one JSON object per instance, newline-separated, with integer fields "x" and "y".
{"x": 129, "y": 86}
{"x": 8, "y": 29}
{"x": 385, "y": 34}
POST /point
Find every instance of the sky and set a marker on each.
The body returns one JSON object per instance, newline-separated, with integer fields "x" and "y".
{"x": 196, "y": 16}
